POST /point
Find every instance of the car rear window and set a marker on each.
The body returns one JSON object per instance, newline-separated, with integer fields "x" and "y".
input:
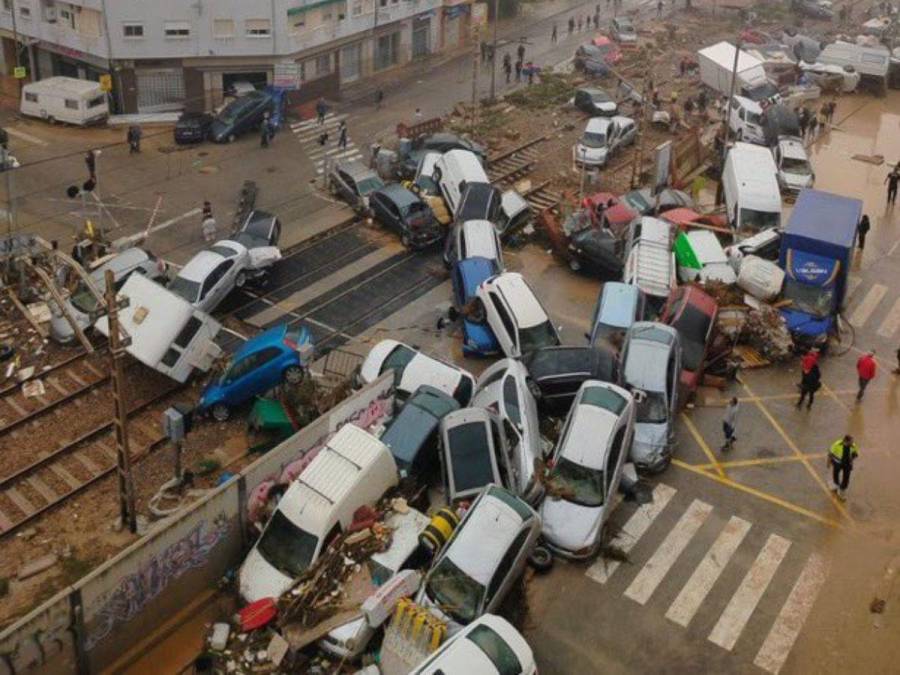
{"x": 607, "y": 399}
{"x": 550, "y": 362}
{"x": 496, "y": 649}
{"x": 470, "y": 456}
{"x": 188, "y": 332}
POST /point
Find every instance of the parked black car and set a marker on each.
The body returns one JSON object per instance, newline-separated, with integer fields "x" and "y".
{"x": 240, "y": 116}
{"x": 192, "y": 127}
{"x": 597, "y": 252}
{"x": 595, "y": 102}
{"x": 404, "y": 212}
{"x": 556, "y": 373}
{"x": 479, "y": 201}
{"x": 413, "y": 433}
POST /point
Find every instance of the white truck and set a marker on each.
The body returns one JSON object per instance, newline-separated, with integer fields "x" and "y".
{"x": 717, "y": 65}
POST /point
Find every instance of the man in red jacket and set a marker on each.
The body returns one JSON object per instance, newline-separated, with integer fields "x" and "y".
{"x": 865, "y": 368}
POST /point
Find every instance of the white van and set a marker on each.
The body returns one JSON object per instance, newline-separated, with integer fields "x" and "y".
{"x": 750, "y": 183}
{"x": 353, "y": 469}
{"x": 65, "y": 99}
{"x": 650, "y": 264}
{"x": 454, "y": 171}
{"x": 746, "y": 120}
{"x": 167, "y": 332}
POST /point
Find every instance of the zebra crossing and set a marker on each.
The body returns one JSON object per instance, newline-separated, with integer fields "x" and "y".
{"x": 873, "y": 308}
{"x": 308, "y": 133}
{"x": 651, "y": 574}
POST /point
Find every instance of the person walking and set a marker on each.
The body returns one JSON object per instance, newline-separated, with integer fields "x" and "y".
{"x": 379, "y": 98}
{"x": 134, "y": 139}
{"x": 553, "y": 36}
{"x": 813, "y": 126}
{"x": 265, "y": 131}
{"x": 597, "y": 18}
{"x": 342, "y": 135}
{"x": 90, "y": 161}
{"x": 830, "y": 112}
{"x": 207, "y": 210}
{"x": 507, "y": 67}
{"x": 321, "y": 110}
{"x": 802, "y": 121}
{"x": 519, "y": 70}
{"x": 810, "y": 382}
{"x": 418, "y": 115}
{"x": 729, "y": 420}
{"x": 861, "y": 231}
{"x": 520, "y": 52}
{"x": 659, "y": 9}
{"x": 529, "y": 72}
{"x": 841, "y": 456}
{"x": 897, "y": 369}
{"x": 208, "y": 229}
{"x": 892, "y": 179}
{"x": 866, "y": 368}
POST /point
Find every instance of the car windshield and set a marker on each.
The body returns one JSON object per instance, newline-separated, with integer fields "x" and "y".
{"x": 495, "y": 648}
{"x": 454, "y": 591}
{"x": 600, "y": 97}
{"x": 813, "y": 300}
{"x": 652, "y": 409}
{"x": 593, "y": 139}
{"x": 795, "y": 165}
{"x": 469, "y": 448}
{"x": 397, "y": 361}
{"x": 693, "y": 325}
{"x": 576, "y": 483}
{"x": 189, "y": 290}
{"x": 83, "y": 300}
{"x": 234, "y": 110}
{"x": 759, "y": 220}
{"x": 287, "y": 547}
{"x": 369, "y": 185}
{"x": 535, "y": 337}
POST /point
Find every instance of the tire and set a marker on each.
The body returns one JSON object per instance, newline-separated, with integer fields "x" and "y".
{"x": 406, "y": 241}
{"x": 541, "y": 559}
{"x": 294, "y": 375}
{"x": 574, "y": 265}
{"x": 240, "y": 280}
{"x": 220, "y": 412}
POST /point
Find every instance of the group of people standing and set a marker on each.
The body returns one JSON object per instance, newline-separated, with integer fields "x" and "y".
{"x": 810, "y": 122}
{"x": 583, "y": 22}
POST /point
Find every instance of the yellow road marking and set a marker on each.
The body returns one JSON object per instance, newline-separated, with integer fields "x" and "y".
{"x": 703, "y": 446}
{"x": 782, "y": 397}
{"x": 793, "y": 446}
{"x": 831, "y": 393}
{"x": 762, "y": 461}
{"x": 772, "y": 499}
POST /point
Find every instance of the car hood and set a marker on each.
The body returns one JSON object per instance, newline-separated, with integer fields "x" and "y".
{"x": 595, "y": 154}
{"x": 258, "y": 579}
{"x": 650, "y": 444}
{"x": 570, "y": 526}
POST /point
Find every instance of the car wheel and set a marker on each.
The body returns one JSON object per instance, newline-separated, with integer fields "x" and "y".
{"x": 294, "y": 375}
{"x": 240, "y": 280}
{"x": 220, "y": 412}
{"x": 231, "y": 138}
{"x": 406, "y": 240}
{"x": 574, "y": 264}
{"x": 541, "y": 559}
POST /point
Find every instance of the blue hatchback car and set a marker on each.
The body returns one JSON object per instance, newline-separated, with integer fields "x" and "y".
{"x": 467, "y": 275}
{"x": 281, "y": 354}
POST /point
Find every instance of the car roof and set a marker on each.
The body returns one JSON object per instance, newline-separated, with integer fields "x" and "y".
{"x": 521, "y": 299}
{"x": 355, "y": 168}
{"x": 792, "y": 149}
{"x": 617, "y": 303}
{"x": 590, "y": 430}
{"x": 199, "y": 267}
{"x": 649, "y": 345}
{"x": 121, "y": 262}
{"x": 598, "y": 125}
{"x": 481, "y": 238}
{"x": 490, "y": 527}
{"x": 399, "y": 194}
{"x": 473, "y": 271}
{"x": 272, "y": 336}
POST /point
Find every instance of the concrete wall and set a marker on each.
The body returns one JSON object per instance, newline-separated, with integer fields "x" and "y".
{"x": 87, "y": 627}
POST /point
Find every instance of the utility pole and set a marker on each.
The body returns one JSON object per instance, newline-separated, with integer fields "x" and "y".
{"x": 494, "y": 49}
{"x": 117, "y": 345}
{"x": 638, "y": 161}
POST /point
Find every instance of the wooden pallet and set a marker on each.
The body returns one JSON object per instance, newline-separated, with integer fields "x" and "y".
{"x": 750, "y": 358}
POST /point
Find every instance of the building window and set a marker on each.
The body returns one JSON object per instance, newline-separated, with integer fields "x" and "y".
{"x": 25, "y": 12}
{"x": 133, "y": 30}
{"x": 71, "y": 104}
{"x": 7, "y": 5}
{"x": 357, "y": 8}
{"x": 177, "y": 30}
{"x": 31, "y": 98}
{"x": 383, "y": 3}
{"x": 223, "y": 28}
{"x": 258, "y": 28}
{"x": 323, "y": 65}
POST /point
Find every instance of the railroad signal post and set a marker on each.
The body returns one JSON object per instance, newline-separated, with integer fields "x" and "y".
{"x": 117, "y": 345}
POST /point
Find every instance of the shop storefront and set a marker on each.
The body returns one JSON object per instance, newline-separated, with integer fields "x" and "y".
{"x": 456, "y": 16}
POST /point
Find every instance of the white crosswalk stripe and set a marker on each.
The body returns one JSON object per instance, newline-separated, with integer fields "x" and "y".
{"x": 632, "y": 532}
{"x": 784, "y": 632}
{"x": 732, "y": 621}
{"x": 852, "y": 284}
{"x": 891, "y": 322}
{"x": 673, "y": 545}
{"x": 687, "y": 534}
{"x": 693, "y": 594}
{"x": 308, "y": 133}
{"x": 864, "y": 309}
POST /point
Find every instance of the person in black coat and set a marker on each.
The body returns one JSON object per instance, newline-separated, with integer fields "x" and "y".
{"x": 810, "y": 383}
{"x": 861, "y": 231}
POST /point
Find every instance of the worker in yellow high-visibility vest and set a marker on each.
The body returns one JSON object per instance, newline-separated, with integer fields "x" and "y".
{"x": 841, "y": 455}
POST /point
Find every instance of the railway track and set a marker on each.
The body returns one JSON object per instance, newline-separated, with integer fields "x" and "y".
{"x": 513, "y": 165}
{"x": 53, "y": 478}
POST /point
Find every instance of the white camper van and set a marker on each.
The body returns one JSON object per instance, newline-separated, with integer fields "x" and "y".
{"x": 650, "y": 263}
{"x": 352, "y": 470}
{"x": 166, "y": 332}
{"x": 750, "y": 183}
{"x": 65, "y": 99}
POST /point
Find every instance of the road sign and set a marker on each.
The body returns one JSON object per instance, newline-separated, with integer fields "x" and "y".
{"x": 287, "y": 75}
{"x": 19, "y": 72}
{"x": 106, "y": 83}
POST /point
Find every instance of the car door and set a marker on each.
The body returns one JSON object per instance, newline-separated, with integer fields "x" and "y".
{"x": 238, "y": 378}
{"x": 502, "y": 325}
{"x": 345, "y": 187}
{"x": 504, "y": 575}
{"x": 265, "y": 373}
{"x": 217, "y": 285}
{"x": 612, "y": 470}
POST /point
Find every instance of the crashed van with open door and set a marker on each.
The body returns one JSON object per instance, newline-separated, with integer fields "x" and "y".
{"x": 167, "y": 333}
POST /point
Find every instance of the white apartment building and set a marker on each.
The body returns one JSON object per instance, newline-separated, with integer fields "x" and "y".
{"x": 172, "y": 54}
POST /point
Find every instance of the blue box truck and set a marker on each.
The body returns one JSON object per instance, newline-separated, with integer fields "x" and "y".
{"x": 815, "y": 255}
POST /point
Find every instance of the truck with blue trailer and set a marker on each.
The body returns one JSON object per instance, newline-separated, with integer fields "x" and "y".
{"x": 816, "y": 249}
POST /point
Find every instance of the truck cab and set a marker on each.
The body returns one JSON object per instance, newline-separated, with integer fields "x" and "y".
{"x": 746, "y": 120}
{"x": 815, "y": 255}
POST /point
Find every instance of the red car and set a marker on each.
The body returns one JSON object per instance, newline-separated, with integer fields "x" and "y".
{"x": 608, "y": 211}
{"x": 692, "y": 313}
{"x": 609, "y": 49}
{"x": 684, "y": 217}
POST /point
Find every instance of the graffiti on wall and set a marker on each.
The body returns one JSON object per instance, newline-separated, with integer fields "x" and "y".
{"x": 135, "y": 590}
{"x": 51, "y": 639}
